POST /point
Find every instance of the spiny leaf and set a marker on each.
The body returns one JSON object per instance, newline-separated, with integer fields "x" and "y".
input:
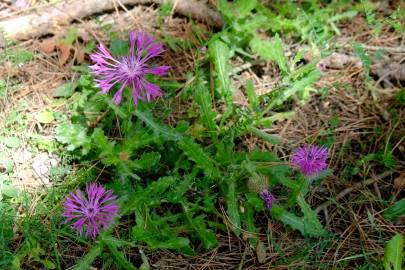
{"x": 394, "y": 253}
{"x": 197, "y": 154}
{"x": 85, "y": 262}
{"x": 220, "y": 54}
{"x": 251, "y": 95}
{"x": 204, "y": 100}
{"x": 150, "y": 194}
{"x": 198, "y": 224}
{"x": 75, "y": 136}
{"x": 120, "y": 259}
{"x": 312, "y": 225}
{"x": 245, "y": 6}
{"x": 296, "y": 87}
{"x": 232, "y": 205}
{"x": 159, "y": 128}
{"x": 271, "y": 50}
{"x": 362, "y": 54}
{"x": 288, "y": 218}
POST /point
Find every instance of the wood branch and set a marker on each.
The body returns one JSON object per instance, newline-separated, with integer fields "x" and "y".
{"x": 60, "y": 15}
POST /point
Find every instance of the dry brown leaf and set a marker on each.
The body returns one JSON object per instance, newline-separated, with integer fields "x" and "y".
{"x": 261, "y": 252}
{"x": 399, "y": 182}
{"x": 64, "y": 52}
{"x": 79, "y": 54}
{"x": 47, "y": 46}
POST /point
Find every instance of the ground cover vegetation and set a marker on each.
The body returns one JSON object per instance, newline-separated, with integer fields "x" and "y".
{"x": 273, "y": 142}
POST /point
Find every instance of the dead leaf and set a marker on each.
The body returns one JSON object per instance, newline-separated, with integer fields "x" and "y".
{"x": 79, "y": 55}
{"x": 399, "y": 182}
{"x": 261, "y": 252}
{"x": 48, "y": 45}
{"x": 64, "y": 52}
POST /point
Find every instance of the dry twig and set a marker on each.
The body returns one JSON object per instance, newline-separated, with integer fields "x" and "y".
{"x": 57, "y": 16}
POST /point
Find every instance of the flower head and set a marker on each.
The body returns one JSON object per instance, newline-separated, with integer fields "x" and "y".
{"x": 268, "y": 198}
{"x": 129, "y": 70}
{"x": 98, "y": 209}
{"x": 310, "y": 159}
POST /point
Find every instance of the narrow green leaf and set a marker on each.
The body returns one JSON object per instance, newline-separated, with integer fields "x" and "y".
{"x": 220, "y": 54}
{"x": 204, "y": 100}
{"x": 197, "y": 154}
{"x": 159, "y": 128}
{"x": 85, "y": 262}
{"x": 273, "y": 139}
{"x": 271, "y": 50}
{"x": 251, "y": 95}
{"x": 395, "y": 211}
{"x": 233, "y": 206}
{"x": 394, "y": 253}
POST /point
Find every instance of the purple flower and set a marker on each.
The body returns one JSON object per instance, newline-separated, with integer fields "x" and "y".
{"x": 98, "y": 209}
{"x": 129, "y": 70}
{"x": 310, "y": 159}
{"x": 268, "y": 198}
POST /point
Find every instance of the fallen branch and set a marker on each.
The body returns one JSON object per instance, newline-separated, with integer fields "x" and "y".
{"x": 49, "y": 19}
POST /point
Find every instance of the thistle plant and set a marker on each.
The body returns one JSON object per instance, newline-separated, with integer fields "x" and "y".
{"x": 131, "y": 70}
{"x": 96, "y": 210}
{"x": 310, "y": 159}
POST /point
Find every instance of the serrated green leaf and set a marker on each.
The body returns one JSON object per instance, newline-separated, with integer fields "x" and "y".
{"x": 197, "y": 154}
{"x": 362, "y": 54}
{"x": 159, "y": 128}
{"x": 220, "y": 54}
{"x": 204, "y": 100}
{"x": 395, "y": 211}
{"x": 296, "y": 87}
{"x": 312, "y": 225}
{"x": 75, "y": 136}
{"x": 120, "y": 259}
{"x": 288, "y": 218}
{"x": 65, "y": 90}
{"x": 232, "y": 205}
{"x": 151, "y": 194}
{"x": 86, "y": 262}
{"x": 271, "y": 50}
{"x": 244, "y": 7}
{"x": 197, "y": 223}
{"x": 251, "y": 95}
{"x": 146, "y": 161}
{"x": 394, "y": 253}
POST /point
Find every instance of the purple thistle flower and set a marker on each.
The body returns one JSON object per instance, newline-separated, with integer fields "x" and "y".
{"x": 98, "y": 209}
{"x": 310, "y": 159}
{"x": 268, "y": 198}
{"x": 129, "y": 70}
